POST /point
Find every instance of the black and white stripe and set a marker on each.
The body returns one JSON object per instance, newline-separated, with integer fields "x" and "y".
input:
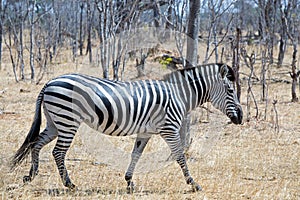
{"x": 117, "y": 108}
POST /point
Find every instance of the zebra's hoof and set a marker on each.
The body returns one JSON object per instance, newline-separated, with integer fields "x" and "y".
{"x": 71, "y": 186}
{"x": 26, "y": 179}
{"x": 130, "y": 188}
{"x": 196, "y": 187}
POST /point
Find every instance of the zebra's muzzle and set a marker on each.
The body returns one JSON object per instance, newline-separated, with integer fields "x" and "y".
{"x": 236, "y": 117}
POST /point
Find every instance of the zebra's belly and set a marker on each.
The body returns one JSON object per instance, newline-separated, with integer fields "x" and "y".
{"x": 116, "y": 130}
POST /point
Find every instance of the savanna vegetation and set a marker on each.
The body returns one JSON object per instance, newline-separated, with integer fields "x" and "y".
{"x": 128, "y": 40}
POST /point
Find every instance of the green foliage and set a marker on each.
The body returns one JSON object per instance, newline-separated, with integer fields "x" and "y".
{"x": 165, "y": 61}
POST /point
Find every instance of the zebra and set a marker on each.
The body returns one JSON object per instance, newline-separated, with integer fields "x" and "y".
{"x": 116, "y": 108}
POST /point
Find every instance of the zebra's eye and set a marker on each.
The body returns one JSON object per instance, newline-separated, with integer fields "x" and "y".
{"x": 228, "y": 87}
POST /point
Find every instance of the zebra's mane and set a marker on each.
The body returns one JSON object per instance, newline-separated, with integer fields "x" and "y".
{"x": 230, "y": 74}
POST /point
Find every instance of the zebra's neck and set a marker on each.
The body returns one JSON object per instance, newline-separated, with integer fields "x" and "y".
{"x": 193, "y": 85}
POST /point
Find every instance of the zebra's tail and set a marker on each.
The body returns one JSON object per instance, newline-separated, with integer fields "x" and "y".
{"x": 33, "y": 134}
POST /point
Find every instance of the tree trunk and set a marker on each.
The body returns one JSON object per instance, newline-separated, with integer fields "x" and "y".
{"x": 169, "y": 23}
{"x": 283, "y": 40}
{"x": 20, "y": 48}
{"x": 156, "y": 14}
{"x": 89, "y": 30}
{"x": 81, "y": 29}
{"x": 191, "y": 56}
{"x": 294, "y": 86}
{"x": 263, "y": 75}
{"x": 9, "y": 46}
{"x": 75, "y": 33}
{"x": 192, "y": 32}
{"x": 1, "y": 31}
{"x": 294, "y": 74}
{"x": 57, "y": 29}
{"x": 236, "y": 62}
{"x": 102, "y": 8}
{"x": 285, "y": 15}
{"x": 282, "y": 47}
{"x": 31, "y": 58}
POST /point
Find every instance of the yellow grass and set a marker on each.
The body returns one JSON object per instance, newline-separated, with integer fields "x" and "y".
{"x": 250, "y": 161}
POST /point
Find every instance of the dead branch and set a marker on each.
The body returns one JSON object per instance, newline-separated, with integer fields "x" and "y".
{"x": 276, "y": 124}
{"x": 140, "y": 64}
{"x": 250, "y": 61}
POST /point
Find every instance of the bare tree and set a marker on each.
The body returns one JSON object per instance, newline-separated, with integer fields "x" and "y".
{"x": 9, "y": 46}
{"x": 81, "y": 28}
{"x": 266, "y": 29}
{"x": 293, "y": 34}
{"x": 21, "y": 43}
{"x": 217, "y": 10}
{"x": 31, "y": 53}
{"x": 284, "y": 15}
{"x": 236, "y": 60}
{"x": 103, "y": 9}
{"x": 57, "y": 27}
{"x": 250, "y": 61}
{"x": 74, "y": 31}
{"x": 2, "y": 11}
{"x": 90, "y": 16}
{"x": 16, "y": 19}
{"x": 192, "y": 57}
{"x": 192, "y": 31}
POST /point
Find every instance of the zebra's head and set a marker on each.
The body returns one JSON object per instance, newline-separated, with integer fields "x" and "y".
{"x": 223, "y": 96}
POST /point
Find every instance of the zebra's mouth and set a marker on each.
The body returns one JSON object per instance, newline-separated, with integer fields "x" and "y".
{"x": 236, "y": 117}
{"x": 236, "y": 120}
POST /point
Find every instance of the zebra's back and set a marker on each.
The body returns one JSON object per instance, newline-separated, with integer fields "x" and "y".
{"x": 112, "y": 107}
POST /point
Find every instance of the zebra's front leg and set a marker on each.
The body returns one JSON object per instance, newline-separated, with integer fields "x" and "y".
{"x": 44, "y": 138}
{"x": 189, "y": 180}
{"x": 175, "y": 145}
{"x": 139, "y": 146}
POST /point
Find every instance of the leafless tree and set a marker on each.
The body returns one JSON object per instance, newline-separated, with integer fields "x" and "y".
{"x": 192, "y": 31}
{"x": 2, "y": 11}
{"x": 236, "y": 60}
{"x": 16, "y": 19}
{"x": 217, "y": 10}
{"x": 192, "y": 57}
{"x": 81, "y": 5}
{"x": 293, "y": 34}
{"x": 288, "y": 18}
{"x": 276, "y": 120}
{"x": 9, "y": 46}
{"x": 90, "y": 16}
{"x": 264, "y": 32}
{"x": 31, "y": 53}
{"x": 250, "y": 61}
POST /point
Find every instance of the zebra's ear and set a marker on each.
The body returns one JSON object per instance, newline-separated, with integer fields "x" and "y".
{"x": 223, "y": 71}
{"x": 227, "y": 71}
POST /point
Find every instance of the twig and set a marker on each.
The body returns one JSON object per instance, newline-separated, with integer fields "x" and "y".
{"x": 250, "y": 61}
{"x": 276, "y": 125}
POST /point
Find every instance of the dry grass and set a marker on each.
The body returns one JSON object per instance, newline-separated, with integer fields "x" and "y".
{"x": 251, "y": 161}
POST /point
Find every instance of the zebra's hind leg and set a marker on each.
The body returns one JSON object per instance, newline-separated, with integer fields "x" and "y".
{"x": 174, "y": 143}
{"x": 139, "y": 146}
{"x": 59, "y": 156}
{"x": 59, "y": 153}
{"x": 49, "y": 134}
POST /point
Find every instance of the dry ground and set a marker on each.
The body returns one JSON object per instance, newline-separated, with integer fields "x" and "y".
{"x": 250, "y": 161}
